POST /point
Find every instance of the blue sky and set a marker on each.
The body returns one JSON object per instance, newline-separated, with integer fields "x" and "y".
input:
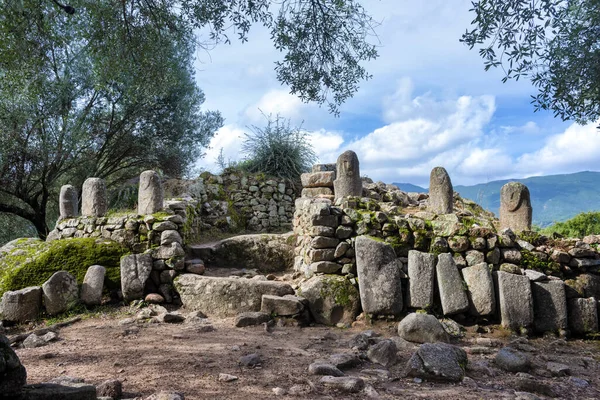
{"x": 430, "y": 103}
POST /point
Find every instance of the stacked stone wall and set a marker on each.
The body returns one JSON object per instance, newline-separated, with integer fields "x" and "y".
{"x": 564, "y": 273}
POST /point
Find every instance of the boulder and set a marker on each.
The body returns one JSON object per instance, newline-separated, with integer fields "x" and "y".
{"x": 383, "y": 352}
{"x": 331, "y": 299}
{"x": 422, "y": 328}
{"x": 421, "y": 279}
{"x": 583, "y": 315}
{"x": 318, "y": 179}
{"x": 21, "y": 305}
{"x": 452, "y": 292}
{"x": 135, "y": 271}
{"x": 60, "y": 292}
{"x": 549, "y": 306}
{"x": 12, "y": 374}
{"x": 93, "y": 284}
{"x": 512, "y": 360}
{"x": 516, "y": 300}
{"x": 438, "y": 362}
{"x": 379, "y": 274}
{"x": 225, "y": 297}
{"x": 480, "y": 289}
{"x": 282, "y": 306}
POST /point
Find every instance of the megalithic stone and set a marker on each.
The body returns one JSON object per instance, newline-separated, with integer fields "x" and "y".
{"x": 515, "y": 207}
{"x": 347, "y": 182}
{"x": 68, "y": 202}
{"x": 441, "y": 193}
{"x": 150, "y": 193}
{"x": 94, "y": 202}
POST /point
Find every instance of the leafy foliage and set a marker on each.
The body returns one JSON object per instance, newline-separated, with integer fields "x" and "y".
{"x": 278, "y": 150}
{"x": 102, "y": 93}
{"x": 553, "y": 42}
{"x": 323, "y": 41}
{"x": 581, "y": 225}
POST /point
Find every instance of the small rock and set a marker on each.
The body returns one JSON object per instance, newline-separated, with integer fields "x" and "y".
{"x": 166, "y": 396}
{"x": 251, "y": 318}
{"x": 512, "y": 360}
{"x": 344, "y": 383}
{"x": 279, "y": 391}
{"x": 383, "y": 353}
{"x": 379, "y": 373}
{"x": 227, "y": 378}
{"x": 110, "y": 388}
{"x": 557, "y": 369}
{"x": 371, "y": 392}
{"x": 154, "y": 298}
{"x": 250, "y": 360}
{"x": 320, "y": 368}
{"x": 438, "y": 361}
{"x": 579, "y": 382}
{"x": 344, "y": 360}
{"x": 422, "y": 328}
{"x": 171, "y": 318}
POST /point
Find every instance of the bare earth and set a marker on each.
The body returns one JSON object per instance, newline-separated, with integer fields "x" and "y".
{"x": 188, "y": 357}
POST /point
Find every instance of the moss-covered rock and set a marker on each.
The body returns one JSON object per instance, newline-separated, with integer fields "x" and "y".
{"x": 32, "y": 262}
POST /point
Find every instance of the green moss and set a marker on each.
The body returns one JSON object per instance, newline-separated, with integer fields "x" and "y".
{"x": 531, "y": 261}
{"x": 40, "y": 262}
{"x": 534, "y": 238}
{"x": 161, "y": 215}
{"x": 339, "y": 289}
{"x": 422, "y": 239}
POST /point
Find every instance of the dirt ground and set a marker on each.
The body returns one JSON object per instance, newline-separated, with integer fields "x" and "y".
{"x": 188, "y": 358}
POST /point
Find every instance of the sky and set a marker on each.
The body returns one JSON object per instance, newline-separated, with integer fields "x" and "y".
{"x": 430, "y": 103}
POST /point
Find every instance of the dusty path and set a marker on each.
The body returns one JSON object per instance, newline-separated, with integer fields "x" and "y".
{"x": 188, "y": 358}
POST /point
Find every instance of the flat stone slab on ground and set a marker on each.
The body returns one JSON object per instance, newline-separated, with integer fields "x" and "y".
{"x": 226, "y": 297}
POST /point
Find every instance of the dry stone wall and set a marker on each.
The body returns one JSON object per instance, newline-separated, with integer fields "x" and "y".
{"x": 453, "y": 263}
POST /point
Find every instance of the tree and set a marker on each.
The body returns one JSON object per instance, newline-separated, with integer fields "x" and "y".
{"x": 278, "y": 149}
{"x": 77, "y": 100}
{"x": 552, "y": 42}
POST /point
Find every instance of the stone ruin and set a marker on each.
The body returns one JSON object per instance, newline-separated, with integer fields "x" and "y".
{"x": 370, "y": 248}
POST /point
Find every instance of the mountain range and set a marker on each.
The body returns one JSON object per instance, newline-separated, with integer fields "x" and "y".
{"x": 554, "y": 198}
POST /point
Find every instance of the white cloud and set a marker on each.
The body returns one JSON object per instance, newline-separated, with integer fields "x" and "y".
{"x": 326, "y": 144}
{"x": 576, "y": 149}
{"x": 272, "y": 103}
{"x": 229, "y": 138}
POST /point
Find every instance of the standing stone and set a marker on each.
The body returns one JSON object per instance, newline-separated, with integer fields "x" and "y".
{"x": 93, "y": 284}
{"x": 68, "y": 202}
{"x": 452, "y": 293}
{"x": 94, "y": 201}
{"x": 150, "y": 194}
{"x": 379, "y": 274}
{"x": 583, "y": 315}
{"x": 480, "y": 289}
{"x": 421, "y": 279}
{"x": 135, "y": 271}
{"x": 516, "y": 300}
{"x": 348, "y": 181}
{"x": 441, "y": 194}
{"x": 549, "y": 306}
{"x": 21, "y": 305}
{"x": 60, "y": 292}
{"x": 515, "y": 207}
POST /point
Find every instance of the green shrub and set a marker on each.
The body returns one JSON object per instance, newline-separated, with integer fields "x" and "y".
{"x": 584, "y": 224}
{"x": 34, "y": 262}
{"x": 278, "y": 150}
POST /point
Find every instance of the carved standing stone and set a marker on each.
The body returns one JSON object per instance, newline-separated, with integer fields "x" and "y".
{"x": 68, "y": 202}
{"x": 515, "y": 207}
{"x": 150, "y": 194}
{"x": 348, "y": 181}
{"x": 94, "y": 202}
{"x": 441, "y": 194}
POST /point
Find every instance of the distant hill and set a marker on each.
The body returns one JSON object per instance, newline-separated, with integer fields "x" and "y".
{"x": 409, "y": 187}
{"x": 554, "y": 197}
